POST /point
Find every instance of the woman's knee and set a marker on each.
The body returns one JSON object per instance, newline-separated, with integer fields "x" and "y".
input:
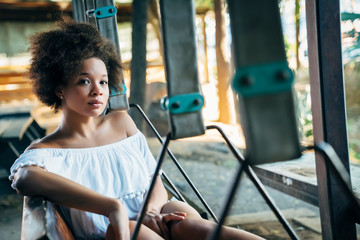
{"x": 190, "y": 228}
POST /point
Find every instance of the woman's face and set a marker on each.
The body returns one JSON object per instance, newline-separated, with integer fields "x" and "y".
{"x": 88, "y": 93}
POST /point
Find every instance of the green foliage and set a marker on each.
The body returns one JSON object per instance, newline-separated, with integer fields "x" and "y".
{"x": 304, "y": 114}
{"x": 287, "y": 47}
{"x": 352, "y": 52}
{"x": 354, "y": 154}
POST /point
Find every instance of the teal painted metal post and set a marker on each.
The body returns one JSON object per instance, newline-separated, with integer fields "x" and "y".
{"x": 180, "y": 60}
{"x": 263, "y": 82}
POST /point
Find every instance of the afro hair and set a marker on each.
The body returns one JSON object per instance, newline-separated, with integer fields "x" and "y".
{"x": 58, "y": 55}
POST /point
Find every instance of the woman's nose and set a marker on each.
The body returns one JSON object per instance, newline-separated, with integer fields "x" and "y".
{"x": 97, "y": 90}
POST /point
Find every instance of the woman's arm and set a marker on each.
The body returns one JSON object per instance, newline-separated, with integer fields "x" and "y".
{"x": 34, "y": 181}
{"x": 158, "y": 197}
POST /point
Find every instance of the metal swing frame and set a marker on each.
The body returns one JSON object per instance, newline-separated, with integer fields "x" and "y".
{"x": 318, "y": 11}
{"x": 323, "y": 148}
{"x": 243, "y": 167}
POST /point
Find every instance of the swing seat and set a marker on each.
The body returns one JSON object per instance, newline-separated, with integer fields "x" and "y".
{"x": 42, "y": 219}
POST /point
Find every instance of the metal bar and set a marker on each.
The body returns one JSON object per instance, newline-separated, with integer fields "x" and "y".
{"x": 35, "y": 133}
{"x": 108, "y": 29}
{"x": 329, "y": 113}
{"x": 13, "y": 148}
{"x": 233, "y": 149}
{"x": 78, "y": 7}
{"x": 177, "y": 164}
{"x": 258, "y": 47}
{"x": 151, "y": 187}
{"x": 264, "y": 23}
{"x": 342, "y": 173}
{"x": 229, "y": 199}
{"x": 84, "y": 11}
{"x": 136, "y": 106}
{"x": 270, "y": 202}
{"x": 108, "y": 26}
{"x": 260, "y": 187}
{"x": 180, "y": 61}
{"x": 305, "y": 191}
{"x": 173, "y": 187}
{"x": 138, "y": 53}
{"x": 90, "y": 12}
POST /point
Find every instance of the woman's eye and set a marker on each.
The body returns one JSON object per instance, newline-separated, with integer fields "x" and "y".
{"x": 103, "y": 82}
{"x": 84, "y": 81}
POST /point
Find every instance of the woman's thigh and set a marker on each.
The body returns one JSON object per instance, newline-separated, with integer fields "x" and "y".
{"x": 145, "y": 233}
{"x": 195, "y": 227}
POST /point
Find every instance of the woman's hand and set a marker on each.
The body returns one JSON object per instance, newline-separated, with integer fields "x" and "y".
{"x": 119, "y": 223}
{"x": 157, "y": 221}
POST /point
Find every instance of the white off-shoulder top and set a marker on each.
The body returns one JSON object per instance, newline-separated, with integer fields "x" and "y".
{"x": 121, "y": 170}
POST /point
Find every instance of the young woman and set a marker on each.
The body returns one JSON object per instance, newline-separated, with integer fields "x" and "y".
{"x": 97, "y": 166}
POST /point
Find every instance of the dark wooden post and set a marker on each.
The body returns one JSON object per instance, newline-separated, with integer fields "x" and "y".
{"x": 329, "y": 113}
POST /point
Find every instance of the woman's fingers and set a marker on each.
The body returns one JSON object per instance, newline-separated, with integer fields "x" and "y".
{"x": 163, "y": 219}
{"x": 180, "y": 213}
{"x": 176, "y": 216}
{"x": 151, "y": 221}
{"x": 163, "y": 228}
{"x": 158, "y": 222}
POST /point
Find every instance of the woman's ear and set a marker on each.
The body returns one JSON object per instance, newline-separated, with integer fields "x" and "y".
{"x": 59, "y": 93}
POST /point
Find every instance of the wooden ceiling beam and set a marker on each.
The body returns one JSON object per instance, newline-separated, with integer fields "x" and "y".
{"x": 44, "y": 11}
{"x": 47, "y": 11}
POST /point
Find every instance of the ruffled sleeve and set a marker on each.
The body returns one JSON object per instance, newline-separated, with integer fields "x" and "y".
{"x": 28, "y": 158}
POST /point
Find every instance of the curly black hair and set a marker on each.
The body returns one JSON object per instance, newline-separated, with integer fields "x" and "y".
{"x": 58, "y": 55}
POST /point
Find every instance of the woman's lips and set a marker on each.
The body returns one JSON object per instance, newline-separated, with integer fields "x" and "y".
{"x": 95, "y": 103}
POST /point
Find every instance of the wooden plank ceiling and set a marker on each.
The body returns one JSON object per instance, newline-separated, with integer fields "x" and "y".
{"x": 43, "y": 11}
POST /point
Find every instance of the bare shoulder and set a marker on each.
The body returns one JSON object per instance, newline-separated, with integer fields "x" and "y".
{"x": 46, "y": 142}
{"x": 122, "y": 120}
{"x": 35, "y": 145}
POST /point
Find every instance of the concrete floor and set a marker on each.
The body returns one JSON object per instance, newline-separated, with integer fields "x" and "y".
{"x": 10, "y": 216}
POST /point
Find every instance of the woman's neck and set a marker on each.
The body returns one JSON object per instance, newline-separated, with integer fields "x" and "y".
{"x": 73, "y": 125}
